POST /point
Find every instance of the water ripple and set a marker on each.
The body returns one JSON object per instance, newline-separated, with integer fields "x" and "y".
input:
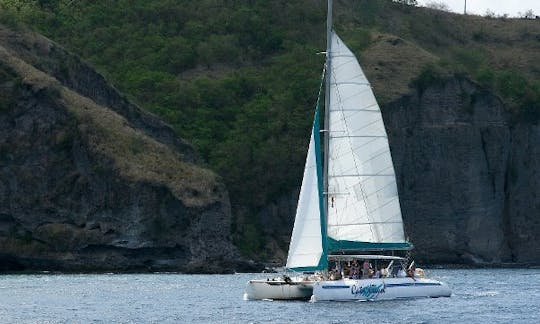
{"x": 173, "y": 298}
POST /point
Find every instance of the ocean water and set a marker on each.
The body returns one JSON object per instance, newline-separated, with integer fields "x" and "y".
{"x": 479, "y": 296}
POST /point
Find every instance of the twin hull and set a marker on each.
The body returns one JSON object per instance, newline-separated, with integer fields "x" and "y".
{"x": 379, "y": 289}
{"x": 279, "y": 289}
{"x": 347, "y": 289}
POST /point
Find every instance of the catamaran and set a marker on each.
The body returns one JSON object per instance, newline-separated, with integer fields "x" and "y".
{"x": 348, "y": 211}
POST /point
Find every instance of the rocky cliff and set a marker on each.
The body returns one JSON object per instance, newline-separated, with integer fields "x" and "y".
{"x": 90, "y": 182}
{"x": 245, "y": 95}
{"x": 467, "y": 173}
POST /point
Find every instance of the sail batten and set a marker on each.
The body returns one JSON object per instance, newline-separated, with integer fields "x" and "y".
{"x": 362, "y": 175}
{"x": 359, "y": 136}
{"x": 349, "y": 82}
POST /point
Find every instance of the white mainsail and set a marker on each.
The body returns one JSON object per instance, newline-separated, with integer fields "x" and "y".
{"x": 306, "y": 247}
{"x": 362, "y": 199}
{"x": 363, "y": 204}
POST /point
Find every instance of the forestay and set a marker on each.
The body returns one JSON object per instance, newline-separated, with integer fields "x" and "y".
{"x": 306, "y": 250}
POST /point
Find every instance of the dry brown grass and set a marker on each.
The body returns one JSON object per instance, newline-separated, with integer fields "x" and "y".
{"x": 498, "y": 44}
{"x": 29, "y": 75}
{"x": 391, "y": 63}
{"x": 136, "y": 156}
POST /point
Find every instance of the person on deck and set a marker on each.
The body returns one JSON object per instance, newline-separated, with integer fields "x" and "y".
{"x": 411, "y": 270}
{"x": 395, "y": 271}
{"x": 346, "y": 270}
{"x": 336, "y": 272}
{"x": 355, "y": 270}
{"x": 384, "y": 272}
{"x": 365, "y": 269}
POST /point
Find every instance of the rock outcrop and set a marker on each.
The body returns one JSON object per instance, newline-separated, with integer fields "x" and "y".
{"x": 468, "y": 177}
{"x": 467, "y": 173}
{"x": 91, "y": 182}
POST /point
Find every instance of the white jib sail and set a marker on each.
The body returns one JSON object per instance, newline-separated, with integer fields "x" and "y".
{"x": 305, "y": 249}
{"x": 363, "y": 202}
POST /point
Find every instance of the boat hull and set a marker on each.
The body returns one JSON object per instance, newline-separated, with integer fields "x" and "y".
{"x": 278, "y": 290}
{"x": 379, "y": 289}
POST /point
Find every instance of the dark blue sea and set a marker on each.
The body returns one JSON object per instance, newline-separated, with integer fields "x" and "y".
{"x": 479, "y": 296}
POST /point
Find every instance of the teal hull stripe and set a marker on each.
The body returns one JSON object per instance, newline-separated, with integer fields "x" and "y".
{"x": 413, "y": 284}
{"x": 335, "y": 245}
{"x": 387, "y": 285}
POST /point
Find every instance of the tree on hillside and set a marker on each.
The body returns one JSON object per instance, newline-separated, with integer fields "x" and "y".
{"x": 438, "y": 5}
{"x": 529, "y": 14}
{"x": 407, "y": 2}
{"x": 489, "y": 13}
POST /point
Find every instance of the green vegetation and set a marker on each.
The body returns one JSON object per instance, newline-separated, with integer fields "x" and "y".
{"x": 239, "y": 79}
{"x": 252, "y": 243}
{"x": 520, "y": 93}
{"x": 430, "y": 75}
{"x": 8, "y": 87}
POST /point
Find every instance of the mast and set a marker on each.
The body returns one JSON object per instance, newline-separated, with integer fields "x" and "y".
{"x": 327, "y": 108}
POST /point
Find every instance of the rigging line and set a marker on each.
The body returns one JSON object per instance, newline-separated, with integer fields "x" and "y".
{"x": 342, "y": 63}
{"x": 360, "y": 128}
{"x": 350, "y": 83}
{"x": 369, "y": 124}
{"x": 373, "y": 157}
{"x": 386, "y": 203}
{"x": 343, "y": 55}
{"x": 358, "y": 75}
{"x": 388, "y": 167}
{"x": 362, "y": 109}
{"x": 393, "y": 217}
{"x": 321, "y": 86}
{"x": 335, "y": 157}
{"x": 356, "y": 148}
{"x": 381, "y": 189}
{"x": 373, "y": 139}
{"x": 362, "y": 191}
{"x": 361, "y": 175}
{"x": 357, "y": 110}
{"x": 354, "y": 223}
{"x": 356, "y": 94}
{"x": 360, "y": 136}
{"x": 372, "y": 105}
{"x": 342, "y": 150}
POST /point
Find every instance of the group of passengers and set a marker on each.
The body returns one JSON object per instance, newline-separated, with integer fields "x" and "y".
{"x": 353, "y": 270}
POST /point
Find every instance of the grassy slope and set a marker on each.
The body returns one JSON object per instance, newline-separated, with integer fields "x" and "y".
{"x": 239, "y": 78}
{"x": 136, "y": 156}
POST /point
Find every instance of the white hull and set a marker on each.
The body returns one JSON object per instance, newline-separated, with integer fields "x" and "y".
{"x": 378, "y": 289}
{"x": 279, "y": 289}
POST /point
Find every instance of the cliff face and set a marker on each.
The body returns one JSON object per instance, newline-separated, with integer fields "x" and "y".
{"x": 89, "y": 181}
{"x": 467, "y": 175}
